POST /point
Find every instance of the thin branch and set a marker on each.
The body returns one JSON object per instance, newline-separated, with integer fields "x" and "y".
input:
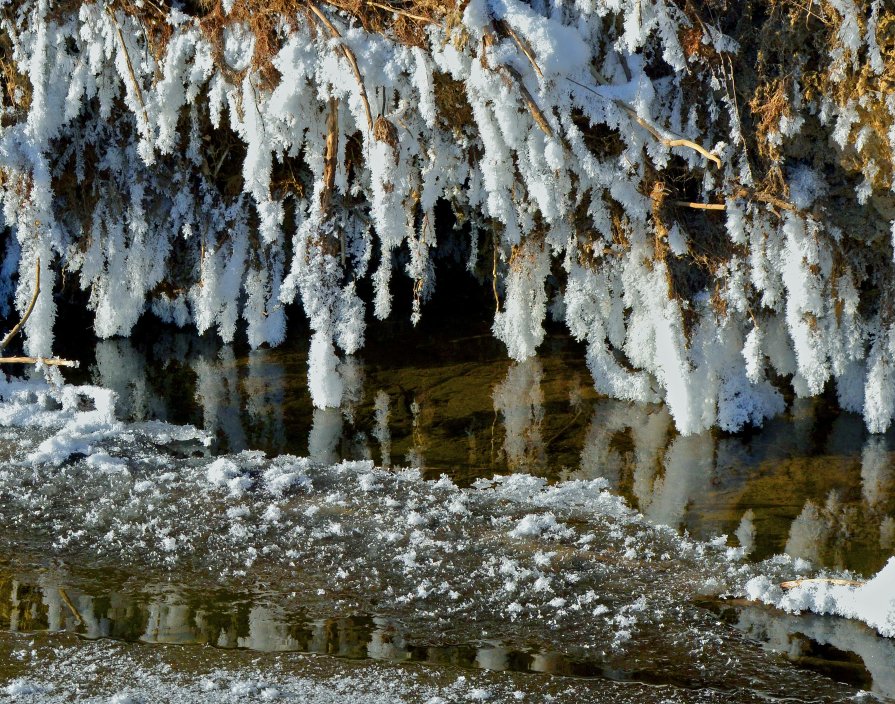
{"x": 349, "y": 56}
{"x": 48, "y": 361}
{"x": 510, "y": 75}
{"x": 700, "y": 206}
{"x": 130, "y": 66}
{"x": 18, "y": 327}
{"x": 766, "y": 198}
{"x": 504, "y": 27}
{"x": 330, "y": 155}
{"x": 821, "y": 580}
{"x": 674, "y": 141}
{"x": 399, "y": 11}
{"x": 494, "y": 276}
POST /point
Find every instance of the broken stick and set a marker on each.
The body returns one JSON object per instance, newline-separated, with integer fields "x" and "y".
{"x": 49, "y": 361}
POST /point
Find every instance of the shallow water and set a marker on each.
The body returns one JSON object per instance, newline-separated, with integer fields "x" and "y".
{"x": 384, "y": 574}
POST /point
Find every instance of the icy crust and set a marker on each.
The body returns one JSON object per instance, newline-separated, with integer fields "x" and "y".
{"x": 60, "y": 670}
{"x": 79, "y": 418}
{"x": 139, "y": 125}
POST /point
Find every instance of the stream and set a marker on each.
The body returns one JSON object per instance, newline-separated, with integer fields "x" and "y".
{"x": 460, "y": 519}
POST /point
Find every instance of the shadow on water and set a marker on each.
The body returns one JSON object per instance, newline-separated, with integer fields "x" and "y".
{"x": 811, "y": 483}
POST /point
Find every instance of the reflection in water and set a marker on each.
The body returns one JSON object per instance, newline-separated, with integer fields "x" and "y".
{"x": 169, "y": 616}
{"x": 845, "y": 650}
{"x": 325, "y": 436}
{"x": 812, "y": 483}
{"x": 380, "y": 429}
{"x": 264, "y": 391}
{"x": 519, "y": 399}
{"x": 217, "y": 393}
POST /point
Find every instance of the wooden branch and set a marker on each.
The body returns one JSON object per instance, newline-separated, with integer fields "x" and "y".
{"x": 668, "y": 142}
{"x": 18, "y": 326}
{"x": 49, "y": 361}
{"x": 766, "y": 198}
{"x": 130, "y": 66}
{"x": 399, "y": 11}
{"x": 330, "y": 155}
{"x": 673, "y": 141}
{"x": 494, "y": 276}
{"x": 511, "y": 75}
{"x": 349, "y": 56}
{"x": 700, "y": 206}
{"x": 504, "y": 27}
{"x": 821, "y": 580}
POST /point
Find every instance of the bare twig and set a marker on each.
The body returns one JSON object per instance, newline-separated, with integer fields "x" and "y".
{"x": 504, "y": 27}
{"x": 494, "y": 276}
{"x": 766, "y": 198}
{"x": 399, "y": 11}
{"x": 330, "y": 155}
{"x": 700, "y": 206}
{"x": 510, "y": 75}
{"x": 18, "y": 326}
{"x": 349, "y": 56}
{"x": 821, "y": 580}
{"x": 673, "y": 141}
{"x": 130, "y": 66}
{"x": 48, "y": 361}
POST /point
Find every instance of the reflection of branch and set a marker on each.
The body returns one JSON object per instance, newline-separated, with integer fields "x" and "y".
{"x": 349, "y": 56}
{"x": 674, "y": 141}
{"x": 15, "y": 331}
{"x": 71, "y": 606}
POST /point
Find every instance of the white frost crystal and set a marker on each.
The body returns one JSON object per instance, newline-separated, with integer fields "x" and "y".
{"x": 146, "y": 131}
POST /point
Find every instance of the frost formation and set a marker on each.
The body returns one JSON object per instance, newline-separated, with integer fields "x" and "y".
{"x": 208, "y": 163}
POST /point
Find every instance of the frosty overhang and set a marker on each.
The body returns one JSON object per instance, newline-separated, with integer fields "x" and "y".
{"x": 640, "y": 174}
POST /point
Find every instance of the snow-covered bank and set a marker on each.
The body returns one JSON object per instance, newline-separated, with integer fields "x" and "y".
{"x": 873, "y": 602}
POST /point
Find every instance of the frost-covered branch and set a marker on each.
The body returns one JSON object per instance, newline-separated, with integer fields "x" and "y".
{"x": 17, "y": 328}
{"x": 717, "y": 230}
